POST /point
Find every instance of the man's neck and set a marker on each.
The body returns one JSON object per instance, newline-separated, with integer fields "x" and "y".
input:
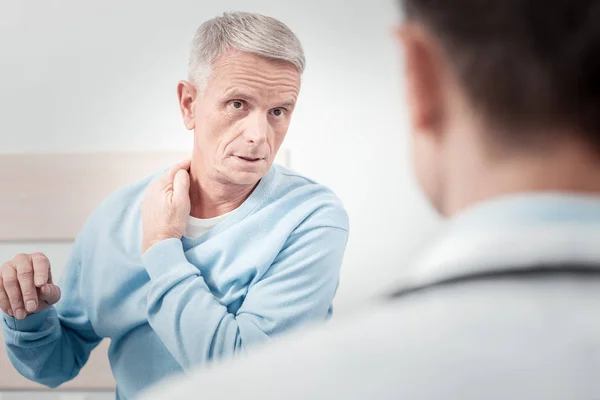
{"x": 570, "y": 169}
{"x": 210, "y": 198}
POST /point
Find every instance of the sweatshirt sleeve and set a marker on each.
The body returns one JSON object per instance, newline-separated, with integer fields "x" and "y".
{"x": 51, "y": 347}
{"x": 298, "y": 288}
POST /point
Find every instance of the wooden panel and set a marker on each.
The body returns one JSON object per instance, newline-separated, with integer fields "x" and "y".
{"x": 96, "y": 375}
{"x": 47, "y": 197}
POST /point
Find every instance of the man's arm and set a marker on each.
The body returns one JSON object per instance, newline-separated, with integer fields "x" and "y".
{"x": 51, "y": 346}
{"x": 298, "y": 287}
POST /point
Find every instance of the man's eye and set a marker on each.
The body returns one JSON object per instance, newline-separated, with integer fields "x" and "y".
{"x": 238, "y": 105}
{"x": 278, "y": 112}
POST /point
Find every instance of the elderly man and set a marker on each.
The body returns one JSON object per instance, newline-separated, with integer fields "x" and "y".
{"x": 217, "y": 254}
{"x": 505, "y": 106}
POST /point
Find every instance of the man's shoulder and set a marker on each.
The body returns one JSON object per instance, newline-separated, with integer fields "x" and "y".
{"x": 127, "y": 196}
{"x": 319, "y": 202}
{"x": 121, "y": 204}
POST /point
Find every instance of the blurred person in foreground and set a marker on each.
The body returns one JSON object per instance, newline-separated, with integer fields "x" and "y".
{"x": 203, "y": 261}
{"x": 505, "y": 113}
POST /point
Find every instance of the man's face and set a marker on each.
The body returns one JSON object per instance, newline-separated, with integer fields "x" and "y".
{"x": 241, "y": 116}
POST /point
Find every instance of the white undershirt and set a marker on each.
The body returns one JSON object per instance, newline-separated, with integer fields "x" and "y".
{"x": 197, "y": 227}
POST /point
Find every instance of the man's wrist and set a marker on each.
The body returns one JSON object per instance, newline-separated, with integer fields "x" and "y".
{"x": 167, "y": 257}
{"x": 151, "y": 243}
{"x": 32, "y": 323}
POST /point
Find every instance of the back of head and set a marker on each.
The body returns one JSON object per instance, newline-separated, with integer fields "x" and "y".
{"x": 525, "y": 65}
{"x": 247, "y": 32}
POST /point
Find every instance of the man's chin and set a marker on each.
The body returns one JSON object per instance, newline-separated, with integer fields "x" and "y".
{"x": 246, "y": 177}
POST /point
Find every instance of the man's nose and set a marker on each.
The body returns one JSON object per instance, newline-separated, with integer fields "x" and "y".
{"x": 256, "y": 130}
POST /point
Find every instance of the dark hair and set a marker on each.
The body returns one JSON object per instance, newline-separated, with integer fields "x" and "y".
{"x": 523, "y": 63}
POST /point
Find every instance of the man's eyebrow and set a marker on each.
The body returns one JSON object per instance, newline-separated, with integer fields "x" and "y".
{"x": 289, "y": 103}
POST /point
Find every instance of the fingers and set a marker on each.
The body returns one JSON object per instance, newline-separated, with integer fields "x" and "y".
{"x": 13, "y": 290}
{"x": 41, "y": 269}
{"x": 181, "y": 185}
{"x": 25, "y": 275}
{"x": 4, "y": 302}
{"x": 20, "y": 282}
{"x": 50, "y": 294}
{"x": 170, "y": 175}
{"x": 184, "y": 164}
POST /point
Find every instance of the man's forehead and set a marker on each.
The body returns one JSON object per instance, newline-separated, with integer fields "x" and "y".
{"x": 240, "y": 89}
{"x": 250, "y": 77}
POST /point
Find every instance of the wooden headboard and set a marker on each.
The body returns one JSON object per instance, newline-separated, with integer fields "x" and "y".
{"x": 47, "y": 198}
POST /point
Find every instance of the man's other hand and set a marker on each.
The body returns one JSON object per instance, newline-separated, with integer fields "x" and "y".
{"x": 26, "y": 285}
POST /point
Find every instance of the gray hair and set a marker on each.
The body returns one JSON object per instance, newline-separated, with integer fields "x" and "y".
{"x": 248, "y": 32}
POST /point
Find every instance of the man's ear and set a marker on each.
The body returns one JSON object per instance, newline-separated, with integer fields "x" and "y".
{"x": 187, "y": 95}
{"x": 424, "y": 78}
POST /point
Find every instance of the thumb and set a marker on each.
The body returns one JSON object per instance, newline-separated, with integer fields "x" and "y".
{"x": 50, "y": 294}
{"x": 181, "y": 187}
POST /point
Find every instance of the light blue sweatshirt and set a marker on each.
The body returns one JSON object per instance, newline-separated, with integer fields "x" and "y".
{"x": 270, "y": 266}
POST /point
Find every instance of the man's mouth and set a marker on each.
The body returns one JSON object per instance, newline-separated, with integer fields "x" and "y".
{"x": 250, "y": 159}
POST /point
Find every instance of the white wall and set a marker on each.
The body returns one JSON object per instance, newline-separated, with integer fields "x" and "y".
{"x": 101, "y": 75}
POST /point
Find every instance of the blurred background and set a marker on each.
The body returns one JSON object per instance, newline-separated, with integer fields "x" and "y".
{"x": 88, "y": 76}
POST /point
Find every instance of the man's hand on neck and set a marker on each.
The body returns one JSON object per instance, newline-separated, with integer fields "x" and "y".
{"x": 166, "y": 206}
